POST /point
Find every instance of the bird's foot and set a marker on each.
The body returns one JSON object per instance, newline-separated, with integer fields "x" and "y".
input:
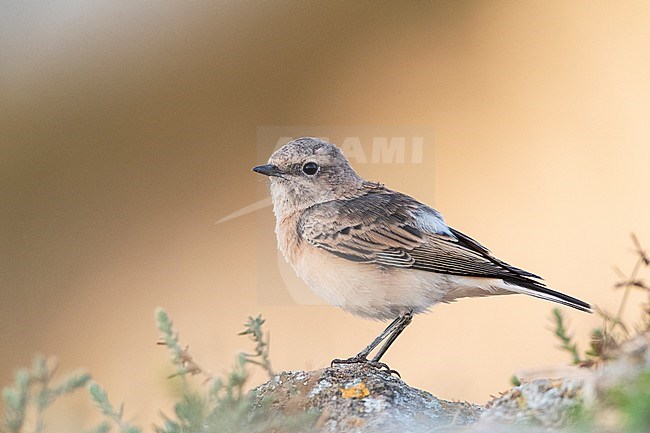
{"x": 363, "y": 360}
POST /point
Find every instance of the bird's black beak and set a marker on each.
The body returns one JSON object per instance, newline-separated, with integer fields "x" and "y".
{"x": 268, "y": 170}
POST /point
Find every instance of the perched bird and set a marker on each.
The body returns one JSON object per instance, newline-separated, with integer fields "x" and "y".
{"x": 375, "y": 252}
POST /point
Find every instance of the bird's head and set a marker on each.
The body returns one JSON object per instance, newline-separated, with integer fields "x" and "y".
{"x": 307, "y": 171}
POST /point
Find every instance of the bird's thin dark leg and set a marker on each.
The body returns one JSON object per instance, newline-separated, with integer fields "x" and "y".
{"x": 403, "y": 322}
{"x": 391, "y": 332}
{"x": 363, "y": 355}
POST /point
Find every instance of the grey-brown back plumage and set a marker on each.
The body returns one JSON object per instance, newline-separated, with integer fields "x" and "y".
{"x": 381, "y": 226}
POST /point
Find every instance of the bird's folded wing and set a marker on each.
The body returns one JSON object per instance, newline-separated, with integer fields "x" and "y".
{"x": 394, "y": 230}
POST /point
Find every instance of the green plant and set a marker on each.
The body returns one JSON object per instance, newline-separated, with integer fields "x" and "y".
{"x": 606, "y": 338}
{"x": 515, "y": 380}
{"x": 566, "y": 340}
{"x": 33, "y": 392}
{"x": 624, "y": 406}
{"x": 219, "y": 404}
{"x": 222, "y": 404}
{"x": 100, "y": 397}
{"x": 253, "y": 327}
{"x": 633, "y": 400}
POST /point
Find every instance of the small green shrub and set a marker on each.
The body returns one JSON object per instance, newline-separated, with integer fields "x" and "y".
{"x": 33, "y": 393}
{"x": 606, "y": 338}
{"x": 222, "y": 405}
{"x": 214, "y": 405}
{"x": 626, "y": 405}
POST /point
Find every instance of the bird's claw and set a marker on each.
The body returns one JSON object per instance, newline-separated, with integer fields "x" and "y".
{"x": 363, "y": 360}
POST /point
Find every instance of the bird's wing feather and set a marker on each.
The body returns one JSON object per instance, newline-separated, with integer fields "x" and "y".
{"x": 393, "y": 230}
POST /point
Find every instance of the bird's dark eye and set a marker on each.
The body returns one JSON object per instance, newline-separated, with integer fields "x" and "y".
{"x": 310, "y": 168}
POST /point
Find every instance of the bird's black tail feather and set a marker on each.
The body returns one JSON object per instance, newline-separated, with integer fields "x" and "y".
{"x": 539, "y": 290}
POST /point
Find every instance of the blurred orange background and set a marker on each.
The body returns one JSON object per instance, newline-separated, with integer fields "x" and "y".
{"x": 129, "y": 128}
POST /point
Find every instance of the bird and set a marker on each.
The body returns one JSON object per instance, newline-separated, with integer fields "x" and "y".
{"x": 375, "y": 252}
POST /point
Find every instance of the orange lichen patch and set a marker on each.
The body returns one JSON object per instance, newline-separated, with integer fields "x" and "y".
{"x": 360, "y": 390}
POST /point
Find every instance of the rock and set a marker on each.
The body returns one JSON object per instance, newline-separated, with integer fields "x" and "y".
{"x": 548, "y": 404}
{"x": 630, "y": 360}
{"x": 619, "y": 392}
{"x": 544, "y": 403}
{"x": 359, "y": 398}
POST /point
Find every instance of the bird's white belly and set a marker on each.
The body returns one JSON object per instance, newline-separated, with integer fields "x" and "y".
{"x": 366, "y": 289}
{"x": 381, "y": 293}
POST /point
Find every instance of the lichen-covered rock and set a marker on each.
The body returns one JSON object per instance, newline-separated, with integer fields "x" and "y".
{"x": 613, "y": 397}
{"x": 544, "y": 402}
{"x": 359, "y": 398}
